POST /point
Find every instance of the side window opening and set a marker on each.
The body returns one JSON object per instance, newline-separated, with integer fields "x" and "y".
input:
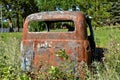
{"x": 51, "y": 26}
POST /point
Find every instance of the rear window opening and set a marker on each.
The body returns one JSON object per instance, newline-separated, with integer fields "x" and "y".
{"x": 51, "y": 26}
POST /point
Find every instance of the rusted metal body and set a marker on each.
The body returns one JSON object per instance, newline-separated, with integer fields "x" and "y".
{"x": 39, "y": 47}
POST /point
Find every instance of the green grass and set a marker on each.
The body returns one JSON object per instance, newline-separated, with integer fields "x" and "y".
{"x": 6, "y": 36}
{"x": 104, "y": 35}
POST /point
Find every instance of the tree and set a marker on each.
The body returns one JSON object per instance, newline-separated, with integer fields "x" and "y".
{"x": 115, "y": 11}
{"x": 97, "y": 9}
{"x": 17, "y": 9}
{"x": 7, "y": 11}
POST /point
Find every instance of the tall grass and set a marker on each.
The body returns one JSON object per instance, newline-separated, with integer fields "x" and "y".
{"x": 10, "y": 60}
{"x": 110, "y": 70}
{"x": 106, "y": 37}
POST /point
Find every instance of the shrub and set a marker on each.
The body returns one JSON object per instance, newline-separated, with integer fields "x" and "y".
{"x": 10, "y": 60}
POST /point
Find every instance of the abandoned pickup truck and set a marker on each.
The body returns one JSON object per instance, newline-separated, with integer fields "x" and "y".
{"x": 46, "y": 33}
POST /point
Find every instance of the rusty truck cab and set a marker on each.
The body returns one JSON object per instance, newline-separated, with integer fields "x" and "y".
{"x": 39, "y": 48}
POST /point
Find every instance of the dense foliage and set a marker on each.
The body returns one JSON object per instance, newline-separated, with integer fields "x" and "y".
{"x": 16, "y": 10}
{"x": 97, "y": 9}
{"x": 115, "y": 11}
{"x": 10, "y": 60}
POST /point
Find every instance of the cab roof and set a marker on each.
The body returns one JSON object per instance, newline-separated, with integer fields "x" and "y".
{"x": 55, "y": 15}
